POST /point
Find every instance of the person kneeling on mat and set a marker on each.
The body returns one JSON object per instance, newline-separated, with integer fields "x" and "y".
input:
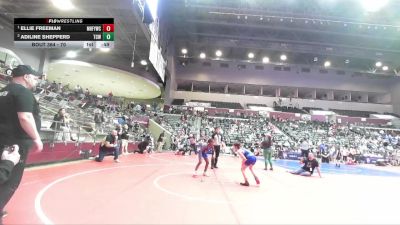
{"x": 145, "y": 146}
{"x": 309, "y": 165}
{"x": 142, "y": 146}
{"x": 109, "y": 146}
{"x": 248, "y": 160}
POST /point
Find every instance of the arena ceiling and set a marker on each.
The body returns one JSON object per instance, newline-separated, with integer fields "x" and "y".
{"x": 107, "y": 79}
{"x": 308, "y": 32}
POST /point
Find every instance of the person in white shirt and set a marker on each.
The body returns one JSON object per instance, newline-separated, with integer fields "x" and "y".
{"x": 217, "y": 137}
{"x": 304, "y": 147}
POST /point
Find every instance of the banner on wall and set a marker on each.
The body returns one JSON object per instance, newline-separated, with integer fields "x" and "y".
{"x": 306, "y": 117}
{"x": 197, "y": 108}
{"x": 198, "y": 104}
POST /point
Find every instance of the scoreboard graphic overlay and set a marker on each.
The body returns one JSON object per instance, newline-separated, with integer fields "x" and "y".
{"x": 64, "y": 32}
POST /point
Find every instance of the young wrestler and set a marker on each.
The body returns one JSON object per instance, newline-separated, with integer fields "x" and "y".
{"x": 248, "y": 160}
{"x": 208, "y": 149}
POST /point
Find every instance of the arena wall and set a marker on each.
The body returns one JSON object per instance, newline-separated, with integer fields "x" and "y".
{"x": 244, "y": 100}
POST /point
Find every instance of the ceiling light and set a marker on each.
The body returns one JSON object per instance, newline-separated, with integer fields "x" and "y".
{"x": 143, "y": 62}
{"x": 184, "y": 51}
{"x": 347, "y": 61}
{"x": 283, "y": 57}
{"x": 63, "y": 4}
{"x": 315, "y": 59}
{"x": 265, "y": 60}
{"x": 250, "y": 55}
{"x": 218, "y": 53}
{"x": 105, "y": 49}
{"x": 71, "y": 54}
{"x": 327, "y": 64}
{"x": 132, "y": 64}
{"x": 373, "y": 5}
{"x": 202, "y": 55}
{"x": 384, "y": 68}
{"x": 378, "y": 64}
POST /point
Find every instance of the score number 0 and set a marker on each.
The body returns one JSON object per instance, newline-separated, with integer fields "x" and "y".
{"x": 108, "y": 27}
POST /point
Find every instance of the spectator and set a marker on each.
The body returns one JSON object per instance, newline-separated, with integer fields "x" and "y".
{"x": 109, "y": 146}
{"x": 266, "y": 145}
{"x": 124, "y": 140}
{"x": 160, "y": 142}
{"x": 87, "y": 93}
{"x": 338, "y": 157}
{"x": 110, "y": 97}
{"x": 192, "y": 142}
{"x": 325, "y": 155}
{"x": 304, "y": 147}
{"x": 99, "y": 120}
{"x": 309, "y": 165}
{"x": 150, "y": 147}
{"x": 145, "y": 146}
{"x": 61, "y": 125}
{"x": 142, "y": 147}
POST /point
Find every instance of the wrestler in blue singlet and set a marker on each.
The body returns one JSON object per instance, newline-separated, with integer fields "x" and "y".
{"x": 250, "y": 158}
{"x": 206, "y": 150}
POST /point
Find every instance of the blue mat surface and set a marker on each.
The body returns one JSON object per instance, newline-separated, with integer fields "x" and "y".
{"x": 331, "y": 169}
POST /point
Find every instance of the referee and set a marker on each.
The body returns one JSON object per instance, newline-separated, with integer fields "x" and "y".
{"x": 217, "y": 146}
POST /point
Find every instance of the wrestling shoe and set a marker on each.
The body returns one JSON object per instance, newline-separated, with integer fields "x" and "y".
{"x": 246, "y": 183}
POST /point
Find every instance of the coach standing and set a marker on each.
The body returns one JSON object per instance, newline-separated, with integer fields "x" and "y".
{"x": 217, "y": 146}
{"x": 19, "y": 124}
